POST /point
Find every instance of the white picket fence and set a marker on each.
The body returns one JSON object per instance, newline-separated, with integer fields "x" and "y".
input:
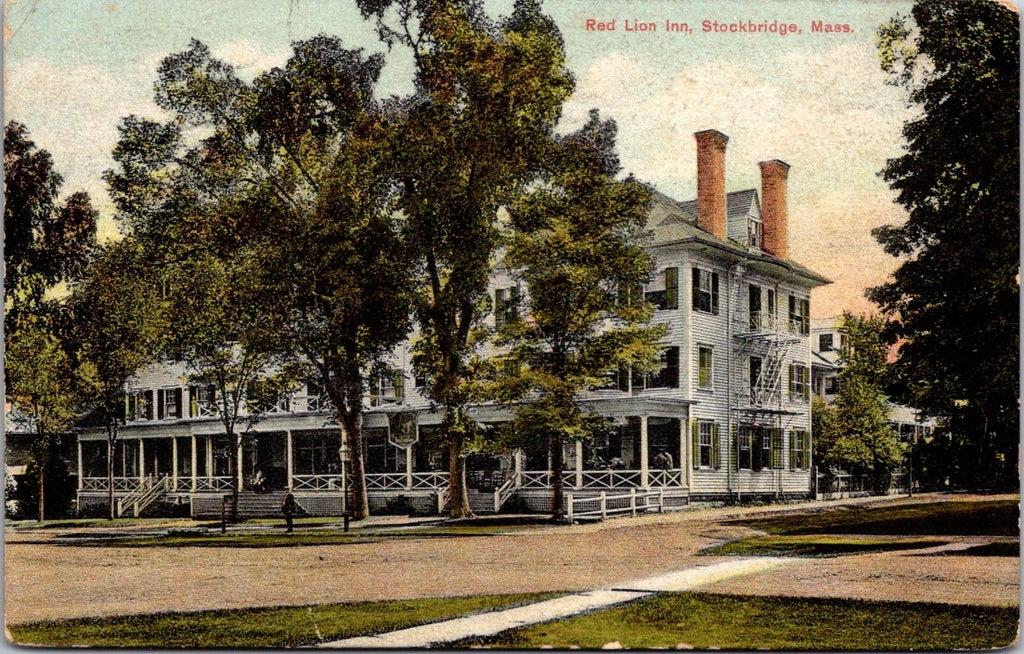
{"x": 635, "y": 501}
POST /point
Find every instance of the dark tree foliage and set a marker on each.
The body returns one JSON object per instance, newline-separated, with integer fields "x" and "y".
{"x": 267, "y": 204}
{"x": 578, "y": 240}
{"x": 488, "y": 95}
{"x": 953, "y": 303}
{"x": 46, "y": 241}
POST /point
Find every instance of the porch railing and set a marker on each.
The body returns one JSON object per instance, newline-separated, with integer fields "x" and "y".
{"x": 400, "y": 481}
{"x": 504, "y": 493}
{"x": 148, "y": 492}
{"x": 211, "y": 483}
{"x": 609, "y": 479}
{"x": 121, "y": 484}
{"x": 317, "y": 482}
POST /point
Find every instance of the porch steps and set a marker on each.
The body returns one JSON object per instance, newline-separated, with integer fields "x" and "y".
{"x": 481, "y": 503}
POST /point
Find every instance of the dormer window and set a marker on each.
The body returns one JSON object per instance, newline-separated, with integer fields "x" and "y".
{"x": 754, "y": 232}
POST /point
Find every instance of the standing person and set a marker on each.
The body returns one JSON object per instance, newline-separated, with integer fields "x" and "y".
{"x": 288, "y": 508}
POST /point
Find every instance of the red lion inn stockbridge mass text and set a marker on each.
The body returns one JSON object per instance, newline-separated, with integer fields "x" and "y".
{"x": 636, "y": 25}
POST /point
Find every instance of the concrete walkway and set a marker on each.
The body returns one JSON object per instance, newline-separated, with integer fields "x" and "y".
{"x": 495, "y": 622}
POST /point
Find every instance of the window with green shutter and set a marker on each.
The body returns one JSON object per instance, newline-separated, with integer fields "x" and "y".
{"x": 672, "y": 288}
{"x": 705, "y": 290}
{"x": 705, "y": 367}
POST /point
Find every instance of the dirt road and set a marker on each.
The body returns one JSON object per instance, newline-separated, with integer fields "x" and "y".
{"x": 44, "y": 581}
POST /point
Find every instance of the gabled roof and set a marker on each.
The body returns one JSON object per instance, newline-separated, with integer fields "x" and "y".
{"x": 671, "y": 221}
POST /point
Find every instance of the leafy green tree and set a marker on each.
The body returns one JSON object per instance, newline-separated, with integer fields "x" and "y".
{"x": 46, "y": 241}
{"x": 854, "y": 435}
{"x": 488, "y": 94}
{"x": 953, "y": 303}
{"x": 578, "y": 240}
{"x": 116, "y": 327}
{"x": 45, "y": 385}
{"x": 212, "y": 324}
{"x": 287, "y": 187}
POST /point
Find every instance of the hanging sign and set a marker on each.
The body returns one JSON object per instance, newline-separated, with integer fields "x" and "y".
{"x": 402, "y": 430}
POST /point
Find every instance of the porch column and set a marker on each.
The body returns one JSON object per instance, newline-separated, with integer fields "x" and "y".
{"x": 239, "y": 465}
{"x": 289, "y": 457}
{"x": 644, "y": 481}
{"x": 194, "y": 462}
{"x": 79, "y": 465}
{"x": 408, "y": 467}
{"x": 684, "y": 453}
{"x": 174, "y": 462}
{"x": 209, "y": 458}
{"x": 579, "y": 464}
{"x": 518, "y": 462}
{"x": 142, "y": 460}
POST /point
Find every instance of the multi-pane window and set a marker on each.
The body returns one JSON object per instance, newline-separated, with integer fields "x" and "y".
{"x": 667, "y": 375}
{"x": 754, "y": 233}
{"x": 705, "y": 366}
{"x": 799, "y": 315}
{"x": 669, "y": 297}
{"x": 389, "y": 388}
{"x": 824, "y": 342}
{"x": 168, "y": 402}
{"x": 139, "y": 405}
{"x": 832, "y": 385}
{"x": 754, "y": 368}
{"x": 799, "y": 449}
{"x": 506, "y": 306}
{"x": 799, "y": 382}
{"x": 744, "y": 449}
{"x": 705, "y": 290}
{"x": 705, "y": 445}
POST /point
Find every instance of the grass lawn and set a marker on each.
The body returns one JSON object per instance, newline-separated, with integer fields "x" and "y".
{"x": 951, "y": 518}
{"x": 704, "y": 620}
{"x": 817, "y": 545}
{"x": 258, "y": 627}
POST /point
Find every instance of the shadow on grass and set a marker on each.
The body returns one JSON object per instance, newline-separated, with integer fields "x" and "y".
{"x": 272, "y": 627}
{"x": 949, "y": 518}
{"x": 815, "y": 546}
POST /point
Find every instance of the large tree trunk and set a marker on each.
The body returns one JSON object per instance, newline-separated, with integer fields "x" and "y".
{"x": 233, "y": 444}
{"x": 555, "y": 450}
{"x": 351, "y": 431}
{"x": 458, "y": 497}
{"x": 42, "y": 495}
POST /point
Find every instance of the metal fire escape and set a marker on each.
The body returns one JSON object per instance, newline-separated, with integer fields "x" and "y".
{"x": 764, "y": 335}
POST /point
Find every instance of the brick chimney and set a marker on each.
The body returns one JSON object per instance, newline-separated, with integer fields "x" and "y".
{"x": 711, "y": 181}
{"x": 774, "y": 216}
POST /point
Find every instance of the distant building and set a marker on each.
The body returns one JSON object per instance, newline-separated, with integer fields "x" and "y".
{"x": 727, "y": 414}
{"x": 827, "y": 342}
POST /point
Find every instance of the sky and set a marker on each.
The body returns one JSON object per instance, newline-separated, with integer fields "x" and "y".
{"x": 816, "y": 100}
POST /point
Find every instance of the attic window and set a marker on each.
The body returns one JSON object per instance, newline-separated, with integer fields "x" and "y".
{"x": 754, "y": 230}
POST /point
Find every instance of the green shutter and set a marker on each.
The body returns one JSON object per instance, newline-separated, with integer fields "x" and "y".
{"x": 716, "y": 460}
{"x": 399, "y": 384}
{"x": 671, "y": 288}
{"x": 512, "y": 314}
{"x": 789, "y": 380}
{"x": 805, "y": 315}
{"x": 695, "y": 295}
{"x": 735, "y": 448}
{"x": 806, "y": 374}
{"x": 792, "y": 450}
{"x": 695, "y": 450}
{"x": 714, "y": 293}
